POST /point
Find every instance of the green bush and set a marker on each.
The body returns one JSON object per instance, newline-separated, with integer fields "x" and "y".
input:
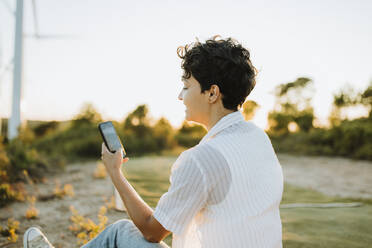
{"x": 22, "y": 158}
{"x": 137, "y": 145}
{"x": 18, "y": 159}
{"x": 8, "y": 195}
{"x": 44, "y": 128}
{"x": 190, "y": 135}
{"x": 82, "y": 141}
{"x": 163, "y": 134}
{"x": 352, "y": 138}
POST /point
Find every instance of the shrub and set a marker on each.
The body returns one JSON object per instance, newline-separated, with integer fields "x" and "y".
{"x": 73, "y": 142}
{"x": 8, "y": 194}
{"x": 31, "y": 212}
{"x": 352, "y": 138}
{"x": 84, "y": 228}
{"x": 11, "y": 230}
{"x": 189, "y": 135}
{"x": 21, "y": 158}
{"x": 62, "y": 192}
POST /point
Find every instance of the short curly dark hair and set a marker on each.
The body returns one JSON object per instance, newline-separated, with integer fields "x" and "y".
{"x": 225, "y": 63}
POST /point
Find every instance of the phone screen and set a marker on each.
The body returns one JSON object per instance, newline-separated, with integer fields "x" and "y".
{"x": 110, "y": 136}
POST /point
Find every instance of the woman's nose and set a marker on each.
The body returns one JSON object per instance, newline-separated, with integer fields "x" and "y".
{"x": 180, "y": 96}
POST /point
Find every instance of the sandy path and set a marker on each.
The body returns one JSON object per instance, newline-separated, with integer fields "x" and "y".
{"x": 331, "y": 176}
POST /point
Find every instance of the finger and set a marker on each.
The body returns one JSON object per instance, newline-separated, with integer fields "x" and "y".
{"x": 119, "y": 151}
{"x": 105, "y": 150}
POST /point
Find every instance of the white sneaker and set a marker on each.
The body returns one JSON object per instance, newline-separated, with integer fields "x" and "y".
{"x": 34, "y": 238}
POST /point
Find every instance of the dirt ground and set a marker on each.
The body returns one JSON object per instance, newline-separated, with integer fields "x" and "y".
{"x": 332, "y": 176}
{"x": 54, "y": 214}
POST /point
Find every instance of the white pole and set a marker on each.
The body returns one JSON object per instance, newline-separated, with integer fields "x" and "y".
{"x": 15, "y": 118}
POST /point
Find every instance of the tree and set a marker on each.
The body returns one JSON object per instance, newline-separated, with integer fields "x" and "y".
{"x": 366, "y": 99}
{"x": 163, "y": 134}
{"x": 138, "y": 121}
{"x": 190, "y": 134}
{"x": 45, "y": 127}
{"x": 292, "y": 104}
{"x": 87, "y": 115}
{"x": 249, "y": 109}
{"x": 346, "y": 99}
{"x": 138, "y": 133}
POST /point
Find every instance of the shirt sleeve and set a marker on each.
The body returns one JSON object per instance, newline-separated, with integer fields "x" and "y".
{"x": 186, "y": 195}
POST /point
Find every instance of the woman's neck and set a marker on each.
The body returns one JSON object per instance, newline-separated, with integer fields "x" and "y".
{"x": 216, "y": 116}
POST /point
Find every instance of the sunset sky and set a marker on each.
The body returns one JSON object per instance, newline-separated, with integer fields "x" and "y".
{"x": 123, "y": 53}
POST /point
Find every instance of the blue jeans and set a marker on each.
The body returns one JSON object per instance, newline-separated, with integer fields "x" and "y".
{"x": 122, "y": 234}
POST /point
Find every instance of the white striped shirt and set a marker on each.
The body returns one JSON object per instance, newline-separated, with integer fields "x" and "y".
{"x": 225, "y": 191}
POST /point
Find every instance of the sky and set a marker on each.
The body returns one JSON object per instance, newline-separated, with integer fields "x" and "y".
{"x": 119, "y": 54}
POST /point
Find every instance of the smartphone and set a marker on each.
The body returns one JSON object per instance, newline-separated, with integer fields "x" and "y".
{"x": 110, "y": 137}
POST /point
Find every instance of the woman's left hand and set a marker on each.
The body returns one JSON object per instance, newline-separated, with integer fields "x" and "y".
{"x": 112, "y": 161}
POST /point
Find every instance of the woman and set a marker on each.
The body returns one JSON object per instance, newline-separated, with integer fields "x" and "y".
{"x": 225, "y": 191}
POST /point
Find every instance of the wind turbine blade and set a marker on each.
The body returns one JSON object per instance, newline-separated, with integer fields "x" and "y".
{"x": 6, "y": 4}
{"x": 36, "y": 24}
{"x": 56, "y": 36}
{"x": 51, "y": 36}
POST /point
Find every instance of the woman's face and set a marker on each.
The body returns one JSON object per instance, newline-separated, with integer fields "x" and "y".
{"x": 196, "y": 103}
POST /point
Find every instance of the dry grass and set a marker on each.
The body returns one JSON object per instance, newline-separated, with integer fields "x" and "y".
{"x": 66, "y": 190}
{"x": 31, "y": 212}
{"x": 84, "y": 228}
{"x": 10, "y": 230}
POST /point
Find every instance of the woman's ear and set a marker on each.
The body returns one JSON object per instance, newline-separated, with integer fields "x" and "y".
{"x": 214, "y": 93}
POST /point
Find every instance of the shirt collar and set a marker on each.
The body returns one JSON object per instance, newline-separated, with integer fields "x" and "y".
{"x": 223, "y": 123}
